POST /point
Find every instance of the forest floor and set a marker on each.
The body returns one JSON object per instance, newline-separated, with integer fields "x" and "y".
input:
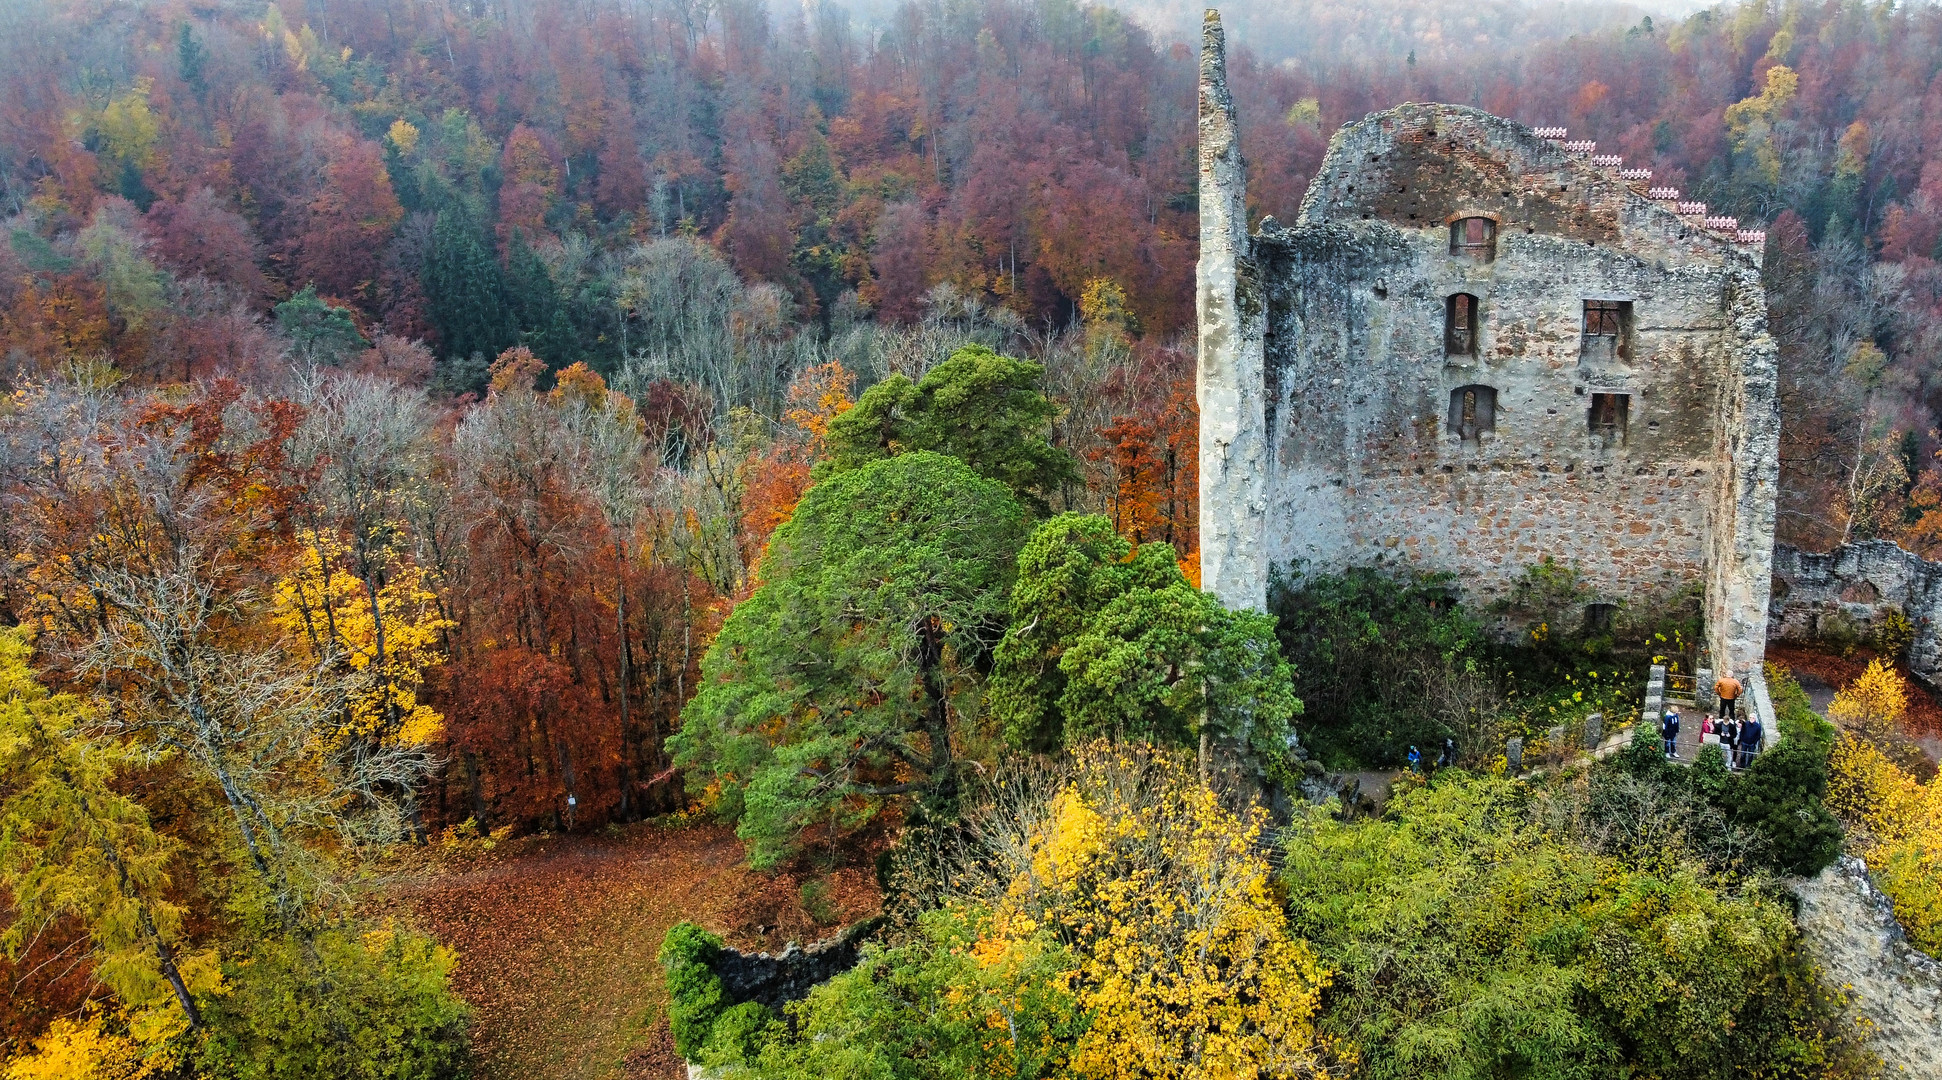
{"x": 1821, "y": 673}
{"x": 557, "y": 936}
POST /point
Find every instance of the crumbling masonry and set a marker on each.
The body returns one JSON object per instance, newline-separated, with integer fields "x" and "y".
{"x": 1481, "y": 344}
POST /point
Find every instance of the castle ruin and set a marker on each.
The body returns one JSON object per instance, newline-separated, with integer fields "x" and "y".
{"x": 1478, "y": 345}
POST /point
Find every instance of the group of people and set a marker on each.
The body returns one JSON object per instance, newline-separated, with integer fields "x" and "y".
{"x": 1737, "y": 737}
{"x": 1446, "y": 758}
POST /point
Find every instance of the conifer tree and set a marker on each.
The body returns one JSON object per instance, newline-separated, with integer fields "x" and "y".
{"x": 465, "y": 290}
{"x": 838, "y": 683}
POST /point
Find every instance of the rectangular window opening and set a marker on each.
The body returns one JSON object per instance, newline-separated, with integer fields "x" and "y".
{"x": 1599, "y": 618}
{"x": 1608, "y": 330}
{"x": 1460, "y": 325}
{"x": 1474, "y": 237}
{"x": 1607, "y": 418}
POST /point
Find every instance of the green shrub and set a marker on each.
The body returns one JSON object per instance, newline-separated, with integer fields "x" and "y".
{"x": 1779, "y": 795}
{"x": 370, "y": 1006}
{"x": 924, "y": 1010}
{"x": 817, "y": 903}
{"x": 1472, "y": 939}
{"x": 1776, "y": 801}
{"x": 694, "y": 990}
{"x": 1367, "y": 648}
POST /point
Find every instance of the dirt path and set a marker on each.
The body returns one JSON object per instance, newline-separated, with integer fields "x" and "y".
{"x": 557, "y": 939}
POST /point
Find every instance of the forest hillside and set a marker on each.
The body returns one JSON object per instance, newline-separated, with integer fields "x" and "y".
{"x": 435, "y": 431}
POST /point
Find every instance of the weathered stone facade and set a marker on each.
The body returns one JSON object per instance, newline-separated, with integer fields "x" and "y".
{"x": 1847, "y": 594}
{"x": 1478, "y": 346}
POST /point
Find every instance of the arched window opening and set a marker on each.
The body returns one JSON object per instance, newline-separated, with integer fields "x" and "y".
{"x": 1473, "y": 411}
{"x": 1460, "y": 325}
{"x": 1475, "y": 237}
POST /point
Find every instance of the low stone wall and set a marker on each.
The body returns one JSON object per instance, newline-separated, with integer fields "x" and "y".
{"x": 775, "y": 979}
{"x": 1845, "y": 595}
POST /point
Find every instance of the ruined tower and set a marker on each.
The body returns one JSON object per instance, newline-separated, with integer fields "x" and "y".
{"x": 1229, "y": 386}
{"x": 1480, "y": 345}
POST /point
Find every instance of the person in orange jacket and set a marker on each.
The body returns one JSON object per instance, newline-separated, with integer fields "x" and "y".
{"x": 1728, "y": 689}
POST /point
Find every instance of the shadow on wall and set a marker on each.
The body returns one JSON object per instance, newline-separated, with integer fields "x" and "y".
{"x": 1870, "y": 593}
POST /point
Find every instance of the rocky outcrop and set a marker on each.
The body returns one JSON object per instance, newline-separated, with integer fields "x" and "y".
{"x": 1849, "y": 928}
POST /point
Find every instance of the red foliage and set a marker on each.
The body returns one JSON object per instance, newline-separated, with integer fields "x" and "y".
{"x": 348, "y": 223}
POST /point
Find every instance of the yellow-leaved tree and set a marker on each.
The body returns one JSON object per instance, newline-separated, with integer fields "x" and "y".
{"x": 77, "y": 853}
{"x": 388, "y": 636}
{"x": 1896, "y": 820}
{"x": 1185, "y": 965}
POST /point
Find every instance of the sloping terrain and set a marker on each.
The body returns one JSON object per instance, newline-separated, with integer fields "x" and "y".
{"x": 558, "y": 936}
{"x": 1850, "y": 931}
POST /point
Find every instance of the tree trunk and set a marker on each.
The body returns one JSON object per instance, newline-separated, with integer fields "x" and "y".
{"x": 624, "y": 649}
{"x": 930, "y": 659}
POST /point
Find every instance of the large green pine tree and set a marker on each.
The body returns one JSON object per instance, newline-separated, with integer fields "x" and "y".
{"x": 838, "y": 683}
{"x": 982, "y": 408}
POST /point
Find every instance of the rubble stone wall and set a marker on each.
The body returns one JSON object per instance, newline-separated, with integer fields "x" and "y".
{"x": 1365, "y": 457}
{"x": 1846, "y": 593}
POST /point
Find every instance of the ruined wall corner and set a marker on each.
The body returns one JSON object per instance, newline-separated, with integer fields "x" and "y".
{"x": 1230, "y": 385}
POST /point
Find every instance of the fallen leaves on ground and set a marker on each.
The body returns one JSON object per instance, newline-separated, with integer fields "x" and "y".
{"x": 557, "y": 938}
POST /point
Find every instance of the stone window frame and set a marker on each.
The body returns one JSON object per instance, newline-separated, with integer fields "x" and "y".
{"x": 1464, "y": 245}
{"x": 1600, "y": 615}
{"x": 1608, "y": 417}
{"x": 1473, "y": 411}
{"x": 1606, "y": 319}
{"x": 1462, "y": 324}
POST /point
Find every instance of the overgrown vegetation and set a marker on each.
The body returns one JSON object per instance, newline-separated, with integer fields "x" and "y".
{"x": 1385, "y": 658}
{"x": 1895, "y": 819}
{"x": 1106, "y": 916}
{"x": 1469, "y": 936}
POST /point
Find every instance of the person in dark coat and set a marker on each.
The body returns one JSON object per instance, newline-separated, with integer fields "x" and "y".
{"x": 1448, "y": 757}
{"x": 1669, "y": 731}
{"x": 1751, "y": 733}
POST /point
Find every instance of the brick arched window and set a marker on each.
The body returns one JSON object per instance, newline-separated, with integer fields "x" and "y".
{"x": 1473, "y": 411}
{"x": 1460, "y": 324}
{"x": 1475, "y": 237}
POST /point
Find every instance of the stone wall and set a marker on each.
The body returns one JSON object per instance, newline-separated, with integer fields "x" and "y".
{"x": 1364, "y": 458}
{"x": 1229, "y": 387}
{"x": 1846, "y": 593}
{"x": 776, "y": 979}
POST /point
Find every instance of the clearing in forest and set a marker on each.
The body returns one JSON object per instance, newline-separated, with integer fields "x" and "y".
{"x": 557, "y": 938}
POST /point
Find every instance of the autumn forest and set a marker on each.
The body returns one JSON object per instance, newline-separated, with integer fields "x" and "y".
{"x": 433, "y": 426}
